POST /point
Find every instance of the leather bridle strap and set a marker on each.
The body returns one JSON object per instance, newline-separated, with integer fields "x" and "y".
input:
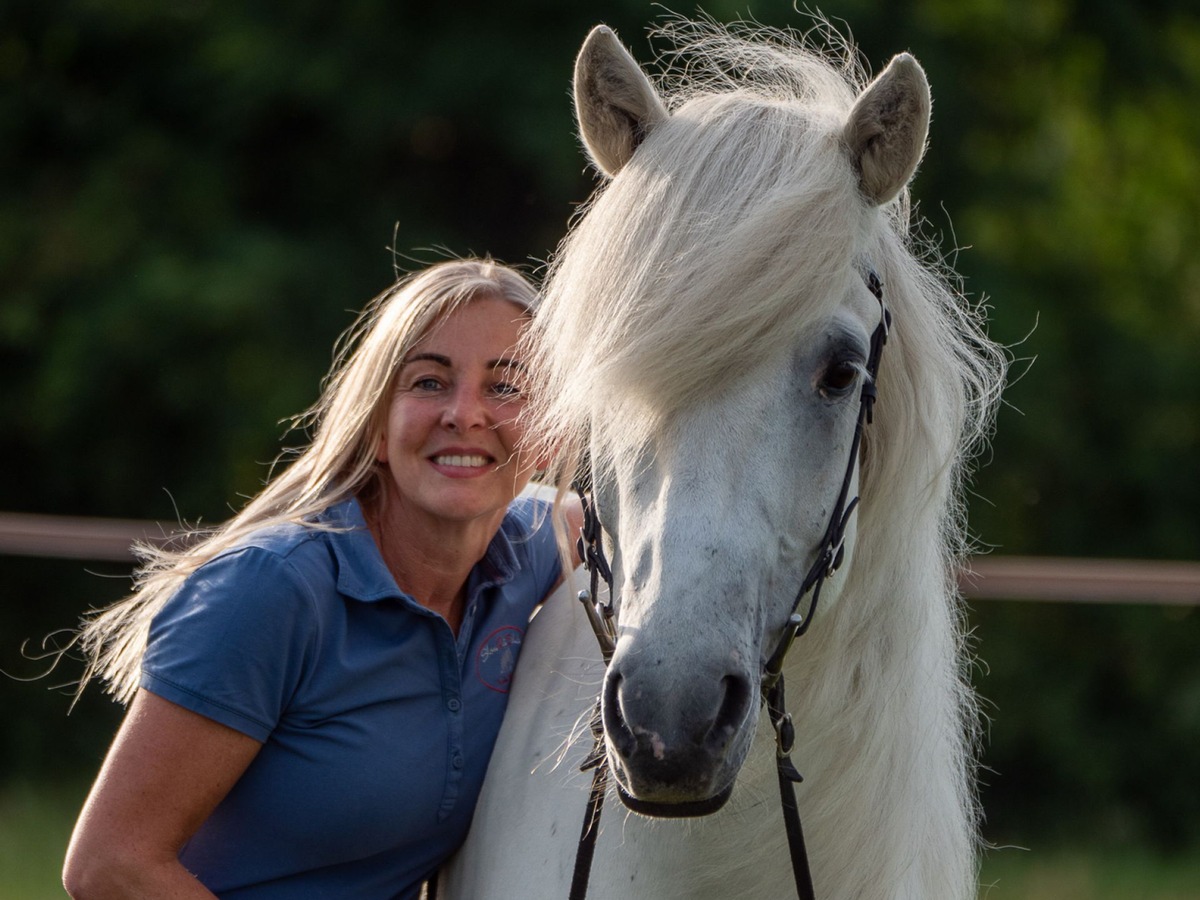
{"x": 590, "y": 547}
{"x": 597, "y": 760}
{"x": 832, "y": 549}
{"x": 785, "y": 735}
{"x": 830, "y": 555}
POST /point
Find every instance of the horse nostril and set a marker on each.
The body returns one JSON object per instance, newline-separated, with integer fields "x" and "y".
{"x": 615, "y": 726}
{"x": 734, "y": 707}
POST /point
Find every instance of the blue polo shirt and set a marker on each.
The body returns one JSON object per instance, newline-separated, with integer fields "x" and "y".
{"x": 377, "y": 723}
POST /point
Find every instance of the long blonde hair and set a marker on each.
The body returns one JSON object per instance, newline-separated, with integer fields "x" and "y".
{"x": 339, "y": 462}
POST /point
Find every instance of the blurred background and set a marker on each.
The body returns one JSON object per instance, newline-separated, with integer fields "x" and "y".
{"x": 196, "y": 195}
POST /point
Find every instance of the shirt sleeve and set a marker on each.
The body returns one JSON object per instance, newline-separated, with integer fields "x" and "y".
{"x": 232, "y": 644}
{"x": 538, "y": 547}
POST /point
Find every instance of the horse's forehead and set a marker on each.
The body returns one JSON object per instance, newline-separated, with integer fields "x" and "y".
{"x": 738, "y": 126}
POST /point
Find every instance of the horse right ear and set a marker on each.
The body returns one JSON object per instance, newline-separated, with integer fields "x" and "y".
{"x": 615, "y": 103}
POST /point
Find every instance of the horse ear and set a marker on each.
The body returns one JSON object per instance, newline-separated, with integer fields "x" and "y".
{"x": 887, "y": 129}
{"x": 615, "y": 103}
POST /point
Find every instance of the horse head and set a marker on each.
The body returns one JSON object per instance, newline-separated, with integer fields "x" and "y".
{"x": 724, "y": 273}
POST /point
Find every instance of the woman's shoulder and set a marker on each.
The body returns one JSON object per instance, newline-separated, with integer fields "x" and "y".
{"x": 297, "y": 540}
{"x": 284, "y": 551}
{"x": 284, "y": 556}
{"x": 276, "y": 581}
{"x": 528, "y": 523}
{"x": 530, "y": 510}
{"x": 529, "y": 530}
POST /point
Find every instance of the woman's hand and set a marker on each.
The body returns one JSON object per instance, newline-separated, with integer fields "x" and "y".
{"x": 166, "y": 771}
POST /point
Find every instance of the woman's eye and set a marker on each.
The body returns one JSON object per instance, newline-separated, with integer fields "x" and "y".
{"x": 838, "y": 378}
{"x": 426, "y": 384}
{"x": 505, "y": 389}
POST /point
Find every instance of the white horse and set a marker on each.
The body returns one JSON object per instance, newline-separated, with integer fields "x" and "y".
{"x": 704, "y": 345}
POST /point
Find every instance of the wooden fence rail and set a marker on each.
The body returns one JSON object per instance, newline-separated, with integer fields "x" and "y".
{"x": 1082, "y": 580}
{"x": 67, "y": 537}
{"x": 985, "y": 577}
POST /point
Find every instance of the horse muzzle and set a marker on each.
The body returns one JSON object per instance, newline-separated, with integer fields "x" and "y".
{"x": 675, "y": 749}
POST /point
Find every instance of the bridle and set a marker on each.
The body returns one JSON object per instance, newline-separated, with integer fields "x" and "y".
{"x": 830, "y": 555}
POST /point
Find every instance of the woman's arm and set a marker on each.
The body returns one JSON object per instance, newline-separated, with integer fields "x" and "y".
{"x": 166, "y": 771}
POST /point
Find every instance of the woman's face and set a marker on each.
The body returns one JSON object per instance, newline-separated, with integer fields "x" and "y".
{"x": 450, "y": 438}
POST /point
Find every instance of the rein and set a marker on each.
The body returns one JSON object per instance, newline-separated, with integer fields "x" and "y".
{"x": 830, "y": 555}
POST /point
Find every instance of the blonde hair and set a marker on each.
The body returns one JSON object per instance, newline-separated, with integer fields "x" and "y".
{"x": 339, "y": 462}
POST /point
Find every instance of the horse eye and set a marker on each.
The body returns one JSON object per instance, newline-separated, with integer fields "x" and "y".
{"x": 838, "y": 378}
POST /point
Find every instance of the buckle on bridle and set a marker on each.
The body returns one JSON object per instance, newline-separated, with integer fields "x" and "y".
{"x": 838, "y": 556}
{"x": 600, "y": 617}
{"x": 600, "y": 614}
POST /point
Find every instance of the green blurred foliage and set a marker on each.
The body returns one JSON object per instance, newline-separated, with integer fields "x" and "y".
{"x": 196, "y": 194}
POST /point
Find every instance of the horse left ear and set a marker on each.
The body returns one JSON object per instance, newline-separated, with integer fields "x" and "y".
{"x": 615, "y": 103}
{"x": 887, "y": 129}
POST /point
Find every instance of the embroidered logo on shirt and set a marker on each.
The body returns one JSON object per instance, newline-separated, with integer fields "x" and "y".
{"x": 497, "y": 657}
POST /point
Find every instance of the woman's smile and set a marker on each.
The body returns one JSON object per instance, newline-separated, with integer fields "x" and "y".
{"x": 461, "y": 460}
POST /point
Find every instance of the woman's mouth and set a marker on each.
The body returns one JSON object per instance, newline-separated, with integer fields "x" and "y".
{"x": 462, "y": 461}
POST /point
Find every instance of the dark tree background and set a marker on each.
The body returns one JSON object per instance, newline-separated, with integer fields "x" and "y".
{"x": 195, "y": 195}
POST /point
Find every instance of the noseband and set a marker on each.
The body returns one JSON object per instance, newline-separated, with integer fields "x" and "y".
{"x": 830, "y": 554}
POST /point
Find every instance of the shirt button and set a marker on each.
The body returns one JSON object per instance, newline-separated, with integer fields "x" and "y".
{"x": 457, "y": 761}
{"x": 453, "y": 704}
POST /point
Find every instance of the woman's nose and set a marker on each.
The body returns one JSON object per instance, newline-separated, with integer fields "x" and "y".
{"x": 465, "y": 410}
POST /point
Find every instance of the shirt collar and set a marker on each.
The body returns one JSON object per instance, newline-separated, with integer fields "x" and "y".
{"x": 363, "y": 575}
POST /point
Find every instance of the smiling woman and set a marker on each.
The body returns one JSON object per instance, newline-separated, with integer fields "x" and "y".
{"x": 315, "y": 688}
{"x": 450, "y": 442}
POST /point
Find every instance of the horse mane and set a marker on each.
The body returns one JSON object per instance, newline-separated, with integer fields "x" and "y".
{"x": 741, "y": 216}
